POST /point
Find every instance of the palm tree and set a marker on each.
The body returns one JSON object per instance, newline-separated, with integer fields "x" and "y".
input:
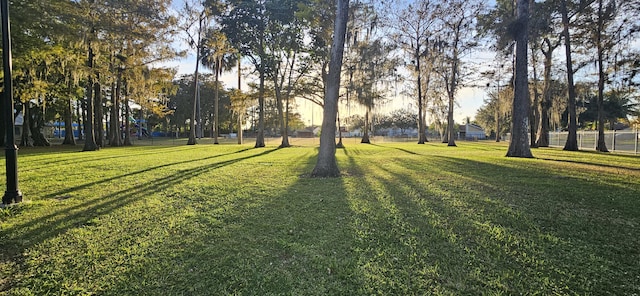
{"x": 217, "y": 55}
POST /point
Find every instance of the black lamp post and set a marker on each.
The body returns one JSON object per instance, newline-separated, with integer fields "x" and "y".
{"x": 12, "y": 194}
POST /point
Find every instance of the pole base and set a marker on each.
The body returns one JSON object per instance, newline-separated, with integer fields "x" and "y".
{"x": 12, "y": 197}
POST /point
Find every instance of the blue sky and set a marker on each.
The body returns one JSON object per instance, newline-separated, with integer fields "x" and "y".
{"x": 468, "y": 99}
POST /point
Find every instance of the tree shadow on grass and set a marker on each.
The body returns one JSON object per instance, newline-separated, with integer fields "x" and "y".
{"x": 144, "y": 171}
{"x": 290, "y": 238}
{"x": 459, "y": 227}
{"x": 23, "y": 236}
{"x": 554, "y": 239}
{"x": 397, "y": 148}
{"x": 295, "y": 242}
{"x": 75, "y": 156}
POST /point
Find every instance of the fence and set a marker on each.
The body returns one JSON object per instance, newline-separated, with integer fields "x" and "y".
{"x": 618, "y": 141}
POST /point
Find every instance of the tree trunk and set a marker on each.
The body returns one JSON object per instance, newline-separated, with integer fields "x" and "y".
{"x": 367, "y": 127}
{"x": 534, "y": 114}
{"x": 327, "y": 166}
{"x": 69, "y": 139}
{"x": 260, "y": 135}
{"x": 81, "y": 118}
{"x": 127, "y": 115}
{"x": 453, "y": 84}
{"x": 26, "y": 131}
{"x": 192, "y": 123}
{"x": 602, "y": 145}
{"x": 285, "y": 136}
{"x": 241, "y": 113}
{"x": 98, "y": 128}
{"x": 3, "y": 125}
{"x": 572, "y": 138}
{"x": 421, "y": 135}
{"x": 216, "y": 111}
{"x": 340, "y": 144}
{"x": 450, "y": 124}
{"x": 116, "y": 136}
{"x": 545, "y": 104}
{"x": 519, "y": 145}
{"x": 281, "y": 113}
{"x": 90, "y": 141}
{"x": 498, "y": 121}
{"x": 36, "y": 124}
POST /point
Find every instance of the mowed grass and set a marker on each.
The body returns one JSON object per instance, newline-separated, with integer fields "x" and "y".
{"x": 405, "y": 219}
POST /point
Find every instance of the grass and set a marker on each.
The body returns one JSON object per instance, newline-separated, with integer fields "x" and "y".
{"x": 405, "y": 219}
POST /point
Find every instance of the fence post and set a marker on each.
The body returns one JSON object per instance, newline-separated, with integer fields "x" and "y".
{"x": 613, "y": 141}
{"x": 637, "y": 137}
{"x": 580, "y": 141}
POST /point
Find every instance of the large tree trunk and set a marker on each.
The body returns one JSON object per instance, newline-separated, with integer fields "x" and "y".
{"x": 572, "y": 138}
{"x": 90, "y": 141}
{"x": 327, "y": 166}
{"x": 519, "y": 145}
{"x": 602, "y": 145}
{"x": 69, "y": 139}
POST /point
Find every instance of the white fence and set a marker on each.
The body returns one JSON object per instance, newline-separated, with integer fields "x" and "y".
{"x": 618, "y": 141}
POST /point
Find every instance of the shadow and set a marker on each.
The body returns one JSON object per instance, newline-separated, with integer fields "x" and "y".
{"x": 75, "y": 155}
{"x": 392, "y": 225}
{"x": 19, "y": 236}
{"x": 592, "y": 163}
{"x": 146, "y": 170}
{"x": 287, "y": 236}
{"x": 396, "y": 148}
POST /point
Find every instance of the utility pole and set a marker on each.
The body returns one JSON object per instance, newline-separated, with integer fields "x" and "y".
{"x": 12, "y": 194}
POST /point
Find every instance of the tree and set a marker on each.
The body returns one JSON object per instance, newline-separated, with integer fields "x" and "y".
{"x": 218, "y": 55}
{"x": 327, "y": 166}
{"x": 519, "y": 145}
{"x": 458, "y": 21}
{"x": 195, "y": 24}
{"x": 572, "y": 139}
{"x": 285, "y": 69}
{"x": 245, "y": 24}
{"x": 494, "y": 114}
{"x": 239, "y": 104}
{"x": 370, "y": 59}
{"x": 414, "y": 26}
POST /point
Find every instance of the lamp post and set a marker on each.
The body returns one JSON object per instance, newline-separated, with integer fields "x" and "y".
{"x": 12, "y": 194}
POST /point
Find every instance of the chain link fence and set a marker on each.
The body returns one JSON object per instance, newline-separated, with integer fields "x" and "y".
{"x": 618, "y": 141}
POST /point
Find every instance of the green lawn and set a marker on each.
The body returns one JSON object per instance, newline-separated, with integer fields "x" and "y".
{"x": 405, "y": 219}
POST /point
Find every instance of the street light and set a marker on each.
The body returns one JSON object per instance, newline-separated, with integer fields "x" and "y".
{"x": 12, "y": 194}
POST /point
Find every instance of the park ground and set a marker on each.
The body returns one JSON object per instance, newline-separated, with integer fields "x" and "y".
{"x": 404, "y": 219}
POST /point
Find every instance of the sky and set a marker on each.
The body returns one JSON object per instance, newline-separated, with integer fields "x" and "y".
{"x": 468, "y": 99}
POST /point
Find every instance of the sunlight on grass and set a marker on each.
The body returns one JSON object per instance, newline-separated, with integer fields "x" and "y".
{"x": 404, "y": 219}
